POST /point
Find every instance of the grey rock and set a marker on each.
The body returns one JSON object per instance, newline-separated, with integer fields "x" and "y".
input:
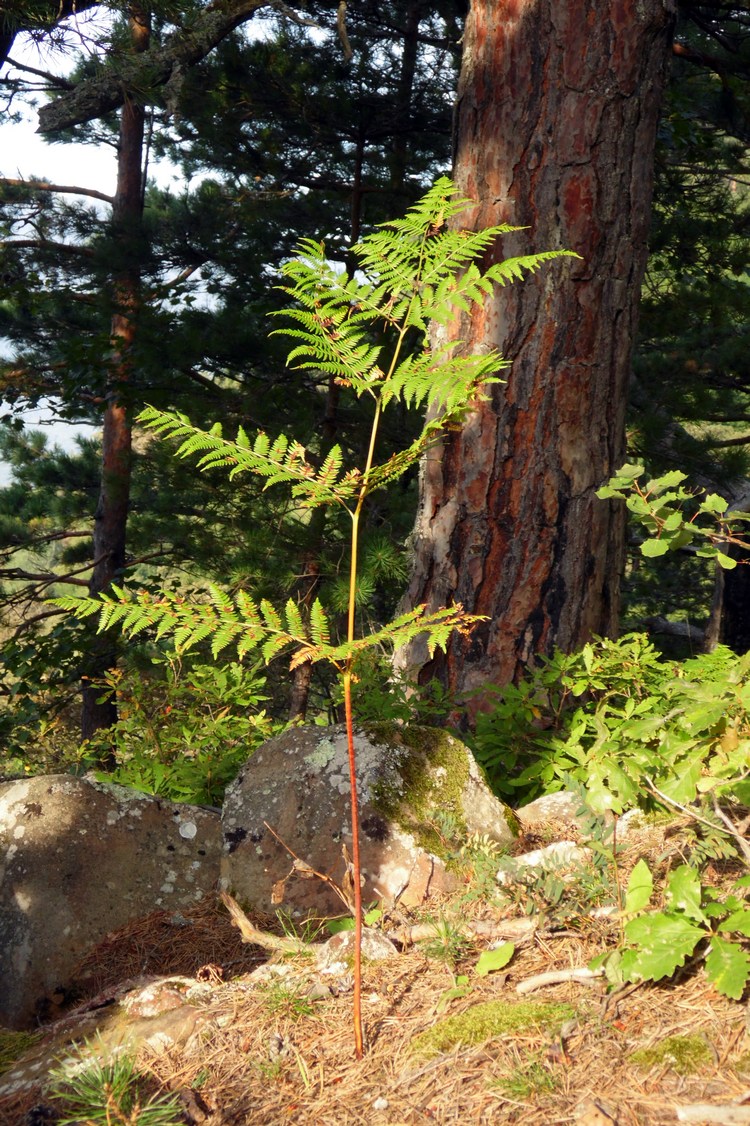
{"x": 562, "y": 857}
{"x": 376, "y": 947}
{"x": 409, "y": 780}
{"x": 160, "y": 1014}
{"x": 561, "y": 806}
{"x": 79, "y": 859}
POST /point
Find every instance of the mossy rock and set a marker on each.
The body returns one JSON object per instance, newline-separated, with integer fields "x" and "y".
{"x": 422, "y": 799}
{"x": 433, "y": 776}
{"x": 486, "y": 1021}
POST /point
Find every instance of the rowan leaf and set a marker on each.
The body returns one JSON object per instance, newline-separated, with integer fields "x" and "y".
{"x": 662, "y": 943}
{"x": 728, "y": 967}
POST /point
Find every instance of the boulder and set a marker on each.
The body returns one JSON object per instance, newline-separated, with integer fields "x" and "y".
{"x": 159, "y": 1014}
{"x": 79, "y": 859}
{"x": 421, "y": 796}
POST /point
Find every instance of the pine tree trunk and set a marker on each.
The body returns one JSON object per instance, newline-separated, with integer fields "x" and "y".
{"x": 555, "y": 131}
{"x": 110, "y": 519}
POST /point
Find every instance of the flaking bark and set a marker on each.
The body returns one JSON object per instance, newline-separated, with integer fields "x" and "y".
{"x": 556, "y": 125}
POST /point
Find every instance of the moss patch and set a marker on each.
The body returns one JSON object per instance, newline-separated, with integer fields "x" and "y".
{"x": 487, "y": 1020}
{"x": 742, "y": 1065}
{"x": 683, "y": 1054}
{"x": 433, "y": 770}
{"x": 13, "y": 1045}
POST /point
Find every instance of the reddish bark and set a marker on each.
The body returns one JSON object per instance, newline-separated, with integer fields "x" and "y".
{"x": 556, "y": 125}
{"x": 110, "y": 519}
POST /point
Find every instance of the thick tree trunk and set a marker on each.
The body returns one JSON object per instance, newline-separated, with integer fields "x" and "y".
{"x": 556, "y": 124}
{"x": 110, "y": 519}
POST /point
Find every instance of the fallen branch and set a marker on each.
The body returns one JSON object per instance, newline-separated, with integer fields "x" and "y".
{"x": 250, "y": 933}
{"x": 581, "y": 976}
{"x": 727, "y": 1115}
{"x": 515, "y": 930}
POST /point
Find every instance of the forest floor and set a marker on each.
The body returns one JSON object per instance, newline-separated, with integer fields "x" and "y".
{"x": 571, "y": 1052}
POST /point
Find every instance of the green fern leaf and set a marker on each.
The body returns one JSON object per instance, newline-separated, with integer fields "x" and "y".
{"x": 294, "y": 620}
{"x": 319, "y": 625}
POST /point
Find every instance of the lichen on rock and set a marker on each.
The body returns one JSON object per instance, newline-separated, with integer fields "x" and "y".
{"x": 408, "y": 779}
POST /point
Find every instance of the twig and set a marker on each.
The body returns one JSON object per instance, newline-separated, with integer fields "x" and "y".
{"x": 685, "y": 808}
{"x": 581, "y": 975}
{"x": 742, "y": 844}
{"x": 306, "y": 871}
{"x": 250, "y": 933}
{"x": 727, "y": 1115}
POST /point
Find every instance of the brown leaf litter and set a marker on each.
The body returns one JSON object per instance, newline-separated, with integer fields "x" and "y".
{"x": 272, "y": 1055}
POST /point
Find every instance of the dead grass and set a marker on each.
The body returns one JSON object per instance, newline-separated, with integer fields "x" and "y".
{"x": 266, "y": 1064}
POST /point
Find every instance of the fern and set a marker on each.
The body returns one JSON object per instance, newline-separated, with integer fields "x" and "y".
{"x": 361, "y": 331}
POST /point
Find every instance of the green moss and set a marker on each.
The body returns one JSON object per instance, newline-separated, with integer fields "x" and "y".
{"x": 683, "y": 1054}
{"x": 429, "y": 776}
{"x": 486, "y": 1020}
{"x": 423, "y": 788}
{"x": 13, "y": 1045}
{"x": 742, "y": 1065}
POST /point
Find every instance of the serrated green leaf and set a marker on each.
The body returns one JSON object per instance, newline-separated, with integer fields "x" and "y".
{"x": 490, "y": 961}
{"x": 629, "y": 472}
{"x": 662, "y": 943}
{"x": 728, "y": 967}
{"x": 659, "y": 485}
{"x": 684, "y": 892}
{"x": 653, "y": 548}
{"x": 714, "y": 503}
{"x": 673, "y": 521}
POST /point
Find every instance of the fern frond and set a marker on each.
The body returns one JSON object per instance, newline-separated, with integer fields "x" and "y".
{"x": 437, "y": 625}
{"x": 281, "y": 461}
{"x": 319, "y": 626}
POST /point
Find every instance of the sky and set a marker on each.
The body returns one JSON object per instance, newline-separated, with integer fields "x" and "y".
{"x": 24, "y": 155}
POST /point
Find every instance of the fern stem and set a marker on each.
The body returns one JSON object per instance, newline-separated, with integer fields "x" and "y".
{"x": 356, "y": 866}
{"x": 347, "y": 683}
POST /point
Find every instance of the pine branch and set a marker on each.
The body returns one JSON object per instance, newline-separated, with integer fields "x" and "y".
{"x": 54, "y": 80}
{"x": 43, "y": 578}
{"x": 47, "y": 244}
{"x": 44, "y": 186}
{"x": 140, "y": 77}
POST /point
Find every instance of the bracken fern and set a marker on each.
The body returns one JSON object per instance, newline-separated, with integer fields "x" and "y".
{"x": 369, "y": 332}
